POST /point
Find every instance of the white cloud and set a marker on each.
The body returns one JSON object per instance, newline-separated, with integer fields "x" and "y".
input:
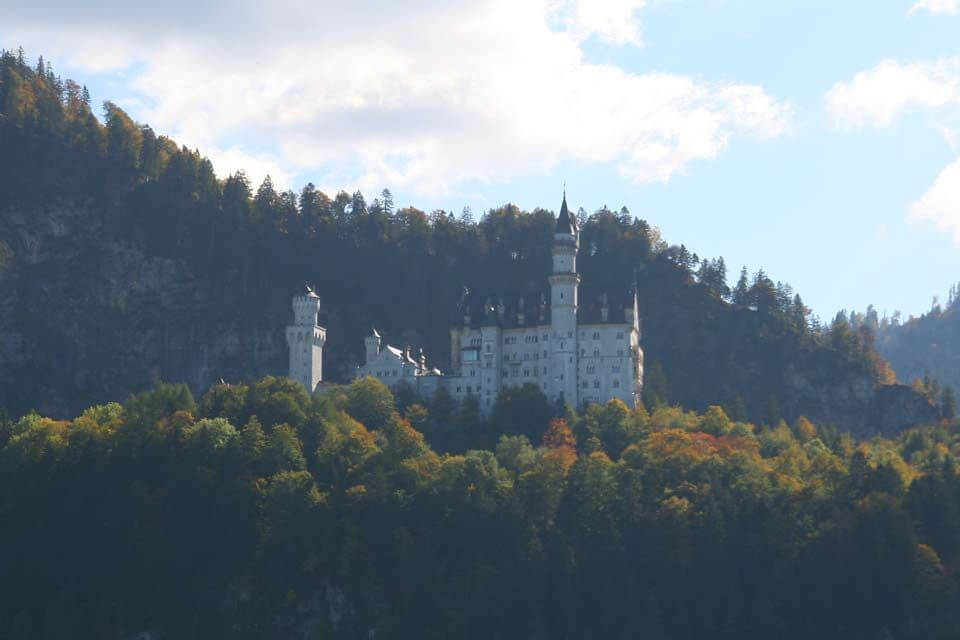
{"x": 610, "y": 20}
{"x": 941, "y": 203}
{"x": 877, "y": 96}
{"x": 949, "y": 7}
{"x": 424, "y": 95}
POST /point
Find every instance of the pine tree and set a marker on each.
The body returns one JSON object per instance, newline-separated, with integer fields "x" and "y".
{"x": 386, "y": 201}
{"x": 948, "y": 403}
{"x": 741, "y": 293}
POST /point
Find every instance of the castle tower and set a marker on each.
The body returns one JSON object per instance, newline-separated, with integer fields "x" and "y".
{"x": 372, "y": 343}
{"x": 563, "y": 308}
{"x": 305, "y": 339}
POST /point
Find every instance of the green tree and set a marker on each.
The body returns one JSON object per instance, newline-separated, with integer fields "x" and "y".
{"x": 948, "y": 403}
{"x": 124, "y": 137}
{"x": 370, "y": 401}
{"x": 520, "y": 411}
{"x": 285, "y": 452}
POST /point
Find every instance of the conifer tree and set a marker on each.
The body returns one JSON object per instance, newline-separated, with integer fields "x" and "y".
{"x": 386, "y": 201}
{"x": 948, "y": 403}
{"x": 741, "y": 293}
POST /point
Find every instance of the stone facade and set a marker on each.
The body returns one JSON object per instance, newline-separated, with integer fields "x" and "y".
{"x": 572, "y": 354}
{"x": 306, "y": 339}
{"x": 571, "y": 357}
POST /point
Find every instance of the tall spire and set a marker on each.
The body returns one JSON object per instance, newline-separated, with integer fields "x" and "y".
{"x": 565, "y": 222}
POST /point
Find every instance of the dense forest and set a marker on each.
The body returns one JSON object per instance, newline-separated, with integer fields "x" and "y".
{"x": 260, "y": 511}
{"x": 124, "y": 260}
{"x": 924, "y": 350}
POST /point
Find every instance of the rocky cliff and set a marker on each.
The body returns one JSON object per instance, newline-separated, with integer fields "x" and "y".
{"x": 856, "y": 403}
{"x": 87, "y": 316}
{"x": 85, "y": 320}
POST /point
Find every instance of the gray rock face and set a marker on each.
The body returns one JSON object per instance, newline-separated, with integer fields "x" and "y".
{"x": 84, "y": 320}
{"x": 857, "y": 404}
{"x": 897, "y": 406}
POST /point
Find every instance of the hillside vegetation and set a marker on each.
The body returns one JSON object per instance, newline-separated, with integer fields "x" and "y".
{"x": 260, "y": 511}
{"x": 924, "y": 349}
{"x": 124, "y": 260}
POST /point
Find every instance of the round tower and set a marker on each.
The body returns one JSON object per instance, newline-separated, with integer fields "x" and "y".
{"x": 306, "y": 339}
{"x": 563, "y": 308}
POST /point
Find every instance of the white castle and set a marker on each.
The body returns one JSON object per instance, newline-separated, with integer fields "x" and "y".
{"x": 576, "y": 355}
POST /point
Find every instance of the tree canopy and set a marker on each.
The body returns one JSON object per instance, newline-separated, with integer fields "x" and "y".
{"x": 260, "y": 510}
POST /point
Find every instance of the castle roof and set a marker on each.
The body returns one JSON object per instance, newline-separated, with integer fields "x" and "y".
{"x": 483, "y": 308}
{"x": 565, "y": 222}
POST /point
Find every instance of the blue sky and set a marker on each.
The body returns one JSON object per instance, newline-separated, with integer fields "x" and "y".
{"x": 817, "y": 140}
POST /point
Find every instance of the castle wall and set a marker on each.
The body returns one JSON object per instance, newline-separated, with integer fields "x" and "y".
{"x": 607, "y": 363}
{"x": 578, "y": 362}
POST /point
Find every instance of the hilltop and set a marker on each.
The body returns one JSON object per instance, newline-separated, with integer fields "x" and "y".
{"x": 125, "y": 260}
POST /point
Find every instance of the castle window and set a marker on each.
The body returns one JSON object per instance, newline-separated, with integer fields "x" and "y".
{"x": 544, "y": 354}
{"x": 596, "y": 353}
{"x": 591, "y": 368}
{"x": 469, "y": 389}
{"x": 596, "y": 335}
{"x": 561, "y": 295}
{"x": 596, "y": 384}
{"x": 615, "y": 368}
{"x": 488, "y": 347}
{"x": 585, "y": 385}
{"x": 569, "y": 334}
{"x": 526, "y": 373}
{"x": 616, "y": 384}
{"x": 459, "y": 389}
{"x": 620, "y": 335}
{"x": 561, "y": 345}
{"x": 545, "y": 337}
{"x": 583, "y": 353}
{"x": 619, "y": 352}
{"x": 544, "y": 371}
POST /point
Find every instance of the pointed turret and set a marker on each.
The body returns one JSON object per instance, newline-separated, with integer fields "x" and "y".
{"x": 564, "y": 282}
{"x": 566, "y": 223}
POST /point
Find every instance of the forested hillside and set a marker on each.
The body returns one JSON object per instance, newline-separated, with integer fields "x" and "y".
{"x": 125, "y": 260}
{"x": 924, "y": 349}
{"x": 262, "y": 512}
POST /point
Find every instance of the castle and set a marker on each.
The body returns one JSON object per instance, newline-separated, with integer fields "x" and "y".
{"x": 574, "y": 354}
